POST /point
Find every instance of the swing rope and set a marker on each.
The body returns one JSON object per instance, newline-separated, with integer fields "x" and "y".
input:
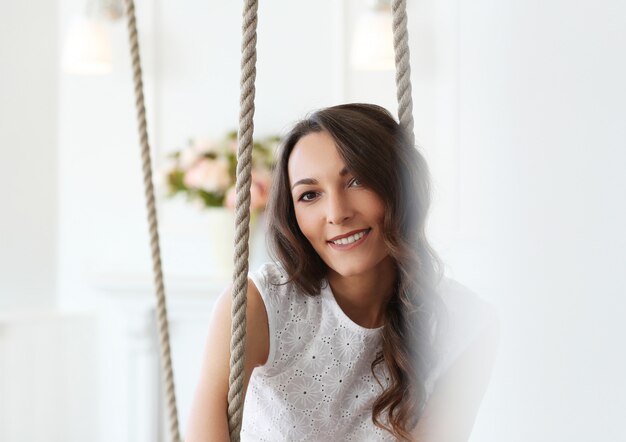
{"x": 242, "y": 219}
{"x": 161, "y": 309}
{"x": 242, "y": 203}
{"x": 403, "y": 67}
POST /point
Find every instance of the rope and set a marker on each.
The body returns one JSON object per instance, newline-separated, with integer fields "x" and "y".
{"x": 403, "y": 66}
{"x": 242, "y": 218}
{"x": 161, "y": 310}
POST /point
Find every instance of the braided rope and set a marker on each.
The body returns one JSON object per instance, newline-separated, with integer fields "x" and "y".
{"x": 164, "y": 339}
{"x": 403, "y": 66}
{"x": 242, "y": 218}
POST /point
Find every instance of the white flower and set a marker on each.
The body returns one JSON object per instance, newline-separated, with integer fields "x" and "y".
{"x": 209, "y": 175}
{"x": 188, "y": 157}
{"x": 346, "y": 345}
{"x": 335, "y": 381}
{"x": 196, "y": 151}
{"x": 304, "y": 393}
{"x": 316, "y": 358}
{"x": 326, "y": 420}
{"x": 295, "y": 337}
{"x": 360, "y": 396}
{"x": 297, "y": 427}
{"x": 204, "y": 145}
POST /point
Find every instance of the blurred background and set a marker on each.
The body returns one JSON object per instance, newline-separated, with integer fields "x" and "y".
{"x": 520, "y": 110}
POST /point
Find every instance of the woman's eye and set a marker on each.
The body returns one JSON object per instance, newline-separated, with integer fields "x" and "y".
{"x": 307, "y": 196}
{"x": 355, "y": 182}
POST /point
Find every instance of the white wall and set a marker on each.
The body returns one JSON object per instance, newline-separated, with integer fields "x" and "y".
{"x": 542, "y": 149}
{"x": 48, "y": 378}
{"x": 28, "y": 153}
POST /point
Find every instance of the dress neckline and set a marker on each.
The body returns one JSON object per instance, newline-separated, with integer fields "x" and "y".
{"x": 329, "y": 296}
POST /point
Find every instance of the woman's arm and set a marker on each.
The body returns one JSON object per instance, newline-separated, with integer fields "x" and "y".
{"x": 452, "y": 408}
{"x": 208, "y": 419}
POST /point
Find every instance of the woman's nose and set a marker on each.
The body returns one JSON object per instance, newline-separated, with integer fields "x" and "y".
{"x": 339, "y": 209}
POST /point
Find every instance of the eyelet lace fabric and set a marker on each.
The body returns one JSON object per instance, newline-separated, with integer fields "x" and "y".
{"x": 317, "y": 383}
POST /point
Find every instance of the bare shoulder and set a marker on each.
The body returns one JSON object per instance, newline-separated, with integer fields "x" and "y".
{"x": 208, "y": 417}
{"x": 257, "y": 334}
{"x": 257, "y": 328}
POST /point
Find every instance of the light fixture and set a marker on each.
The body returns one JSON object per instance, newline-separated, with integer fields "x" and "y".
{"x": 87, "y": 48}
{"x": 372, "y": 43}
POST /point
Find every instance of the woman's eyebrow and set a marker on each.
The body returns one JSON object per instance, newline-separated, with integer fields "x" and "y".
{"x": 304, "y": 181}
{"x": 342, "y": 173}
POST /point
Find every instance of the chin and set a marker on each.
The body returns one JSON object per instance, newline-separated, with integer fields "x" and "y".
{"x": 356, "y": 267}
{"x": 350, "y": 269}
{"x": 346, "y": 273}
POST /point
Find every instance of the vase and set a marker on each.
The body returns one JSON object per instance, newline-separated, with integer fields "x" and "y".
{"x": 259, "y": 253}
{"x": 200, "y": 243}
{"x": 220, "y": 253}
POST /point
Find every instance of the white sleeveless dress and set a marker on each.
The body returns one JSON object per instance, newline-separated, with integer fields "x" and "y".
{"x": 317, "y": 383}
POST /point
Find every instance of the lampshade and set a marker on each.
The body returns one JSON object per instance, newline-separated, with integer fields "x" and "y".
{"x": 372, "y": 43}
{"x": 87, "y": 47}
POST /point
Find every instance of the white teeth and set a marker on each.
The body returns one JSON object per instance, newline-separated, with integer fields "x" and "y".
{"x": 350, "y": 239}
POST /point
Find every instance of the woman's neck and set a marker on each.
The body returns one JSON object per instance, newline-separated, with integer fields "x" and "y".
{"x": 363, "y": 297}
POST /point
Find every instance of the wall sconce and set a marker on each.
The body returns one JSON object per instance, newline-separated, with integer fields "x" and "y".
{"x": 372, "y": 43}
{"x": 87, "y": 48}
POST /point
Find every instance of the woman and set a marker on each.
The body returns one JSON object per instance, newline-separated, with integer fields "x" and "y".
{"x": 349, "y": 333}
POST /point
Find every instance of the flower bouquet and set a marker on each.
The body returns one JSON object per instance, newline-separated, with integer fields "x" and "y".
{"x": 205, "y": 171}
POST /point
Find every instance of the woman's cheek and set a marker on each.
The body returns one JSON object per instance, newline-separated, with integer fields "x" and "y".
{"x": 306, "y": 221}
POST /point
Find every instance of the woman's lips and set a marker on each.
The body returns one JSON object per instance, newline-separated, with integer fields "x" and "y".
{"x": 346, "y": 235}
{"x": 358, "y": 242}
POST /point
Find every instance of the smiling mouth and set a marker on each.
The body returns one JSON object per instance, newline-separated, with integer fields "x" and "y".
{"x": 349, "y": 240}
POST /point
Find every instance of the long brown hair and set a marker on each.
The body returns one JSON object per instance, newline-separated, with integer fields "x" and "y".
{"x": 377, "y": 150}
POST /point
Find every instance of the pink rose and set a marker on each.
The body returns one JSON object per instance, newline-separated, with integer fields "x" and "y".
{"x": 233, "y": 146}
{"x": 259, "y": 191}
{"x": 231, "y": 195}
{"x": 209, "y": 175}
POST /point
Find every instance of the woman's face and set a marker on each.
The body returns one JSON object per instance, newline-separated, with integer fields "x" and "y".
{"x": 340, "y": 217}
